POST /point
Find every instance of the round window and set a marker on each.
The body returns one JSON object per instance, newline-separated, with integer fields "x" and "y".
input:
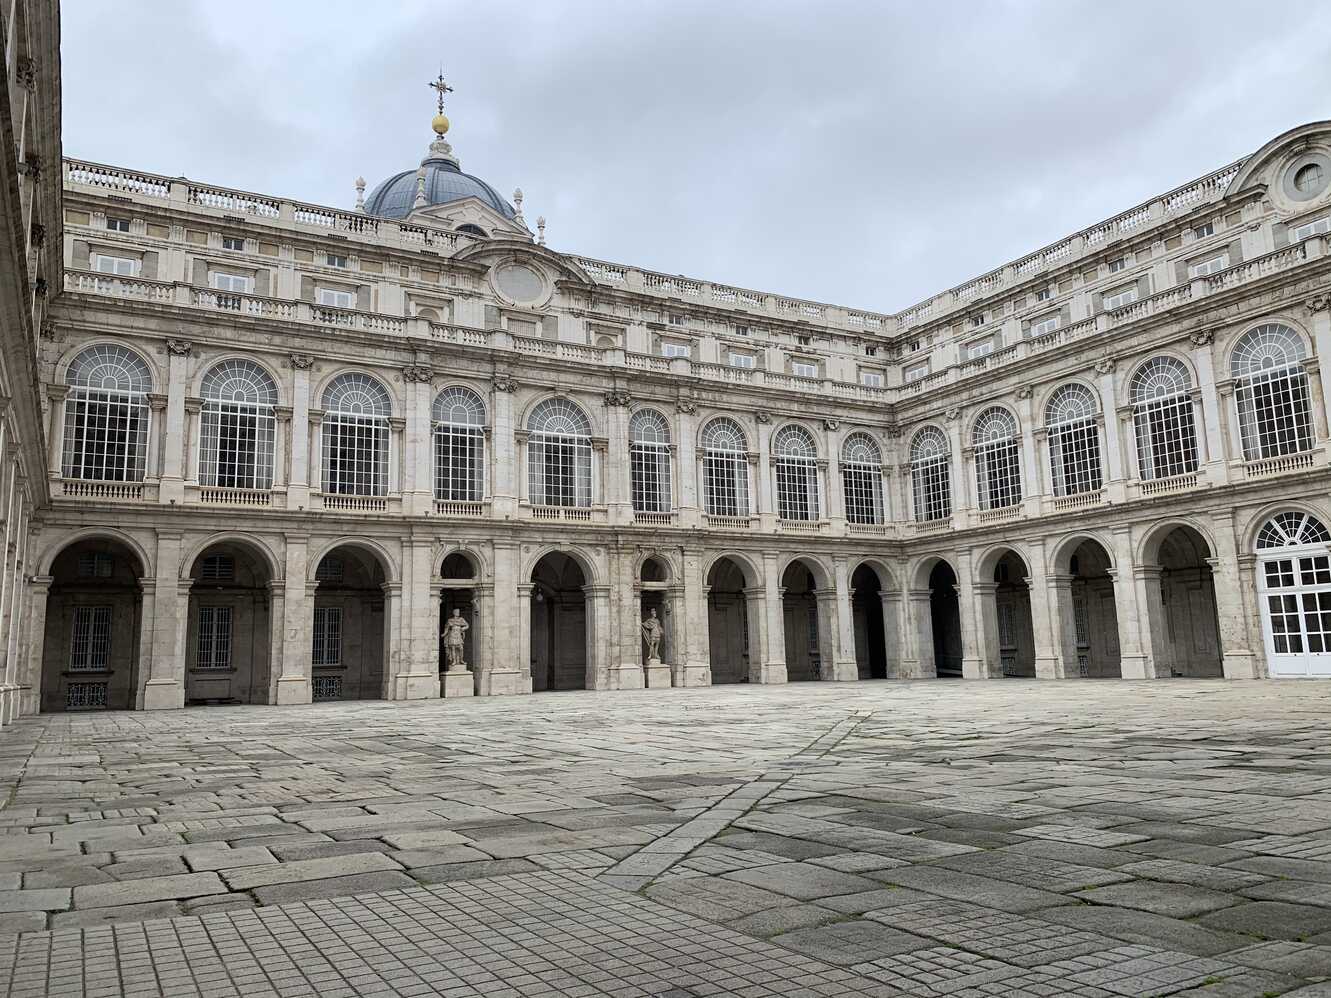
{"x": 1308, "y": 178}
{"x": 518, "y": 282}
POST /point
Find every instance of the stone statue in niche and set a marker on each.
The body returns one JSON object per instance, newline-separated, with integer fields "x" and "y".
{"x": 455, "y": 633}
{"x": 652, "y": 632}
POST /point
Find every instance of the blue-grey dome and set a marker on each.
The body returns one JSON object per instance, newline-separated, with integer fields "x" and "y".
{"x": 444, "y": 182}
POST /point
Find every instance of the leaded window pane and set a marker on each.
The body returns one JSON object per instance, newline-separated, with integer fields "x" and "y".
{"x": 1074, "y": 441}
{"x": 106, "y": 415}
{"x": 862, "y": 479}
{"x": 725, "y": 469}
{"x": 795, "y": 459}
{"x": 931, "y": 475}
{"x": 1163, "y": 418}
{"x": 458, "y": 420}
{"x": 559, "y": 455}
{"x": 649, "y": 462}
{"x": 355, "y": 436}
{"x": 997, "y": 459}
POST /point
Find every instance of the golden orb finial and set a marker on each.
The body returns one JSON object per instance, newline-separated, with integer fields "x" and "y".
{"x": 440, "y": 124}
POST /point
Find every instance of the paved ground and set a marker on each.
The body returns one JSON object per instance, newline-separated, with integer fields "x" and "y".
{"x": 1009, "y": 838}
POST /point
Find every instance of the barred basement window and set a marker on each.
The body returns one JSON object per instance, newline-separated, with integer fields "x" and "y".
{"x": 997, "y": 459}
{"x": 1074, "y": 441}
{"x": 862, "y": 479}
{"x": 1275, "y": 415}
{"x": 725, "y": 468}
{"x": 106, "y": 415}
{"x": 217, "y": 568}
{"x": 355, "y": 436}
{"x": 237, "y": 426}
{"x": 90, "y": 639}
{"x": 795, "y": 461}
{"x": 458, "y": 419}
{"x": 327, "y": 636}
{"x": 1160, "y": 393}
{"x": 326, "y": 688}
{"x": 649, "y": 461}
{"x": 559, "y": 455}
{"x": 213, "y": 650}
{"x": 931, "y": 475}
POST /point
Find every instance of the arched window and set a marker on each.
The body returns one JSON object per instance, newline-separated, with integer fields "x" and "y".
{"x": 1162, "y": 412}
{"x": 457, "y": 421}
{"x": 997, "y": 459}
{"x": 559, "y": 455}
{"x": 795, "y": 461}
{"x": 355, "y": 436}
{"x": 725, "y": 461}
{"x": 1275, "y": 414}
{"x": 1295, "y": 586}
{"x": 106, "y": 415}
{"x": 237, "y": 426}
{"x": 862, "y": 479}
{"x": 649, "y": 461}
{"x": 931, "y": 474}
{"x": 1074, "y": 441}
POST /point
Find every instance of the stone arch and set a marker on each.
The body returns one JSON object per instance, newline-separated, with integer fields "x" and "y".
{"x": 983, "y": 409}
{"x": 887, "y": 579}
{"x": 206, "y": 365}
{"x": 1226, "y": 343}
{"x": 873, "y": 617}
{"x": 751, "y": 570}
{"x": 814, "y": 436}
{"x": 920, "y": 569}
{"x": 746, "y": 434}
{"x": 1004, "y": 597}
{"x": 1148, "y": 548}
{"x": 376, "y": 550}
{"x": 808, "y": 617}
{"x": 1135, "y": 364}
{"x": 48, "y": 557}
{"x": 1048, "y": 391}
{"x": 1084, "y": 610}
{"x": 565, "y": 622}
{"x": 823, "y": 575}
{"x": 232, "y": 641}
{"x": 1177, "y": 590}
{"x": 159, "y": 378}
{"x": 934, "y": 618}
{"x": 990, "y": 557}
{"x": 1061, "y": 551}
{"x": 395, "y": 403}
{"x": 585, "y": 561}
{"x": 475, "y": 555}
{"x": 254, "y": 542}
{"x": 590, "y": 412}
{"x": 1255, "y": 521}
{"x": 669, "y": 570}
{"x": 734, "y": 586}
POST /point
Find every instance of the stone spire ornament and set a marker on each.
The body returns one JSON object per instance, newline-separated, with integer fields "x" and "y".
{"x": 540, "y": 228}
{"x": 360, "y": 195}
{"x": 517, "y": 205}
{"x": 439, "y": 148}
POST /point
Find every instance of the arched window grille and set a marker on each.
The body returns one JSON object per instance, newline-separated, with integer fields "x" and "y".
{"x": 997, "y": 459}
{"x": 355, "y": 436}
{"x": 649, "y": 461}
{"x": 1295, "y": 588}
{"x": 559, "y": 455}
{"x": 862, "y": 479}
{"x": 237, "y": 426}
{"x": 1074, "y": 441}
{"x": 106, "y": 415}
{"x": 931, "y": 474}
{"x": 795, "y": 460}
{"x": 457, "y": 421}
{"x": 1275, "y": 413}
{"x": 1292, "y": 530}
{"x": 725, "y": 458}
{"x": 1162, "y": 414}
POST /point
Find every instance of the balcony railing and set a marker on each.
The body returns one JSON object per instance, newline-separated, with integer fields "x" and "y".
{"x": 1081, "y": 500}
{"x": 235, "y": 497}
{"x": 453, "y": 507}
{"x": 716, "y": 522}
{"x": 998, "y": 515}
{"x": 1175, "y": 483}
{"x": 1267, "y": 467}
{"x": 872, "y": 529}
{"x": 925, "y": 527}
{"x": 356, "y": 504}
{"x": 802, "y": 526}
{"x": 654, "y": 519}
{"x": 109, "y": 491}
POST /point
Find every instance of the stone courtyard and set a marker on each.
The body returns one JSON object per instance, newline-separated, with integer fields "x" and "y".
{"x": 930, "y": 838}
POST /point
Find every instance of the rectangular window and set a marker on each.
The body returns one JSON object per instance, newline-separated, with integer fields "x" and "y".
{"x": 1319, "y": 227}
{"x": 217, "y": 568}
{"x": 1044, "y": 294}
{"x": 355, "y": 455}
{"x": 745, "y": 360}
{"x": 1046, "y": 325}
{"x": 678, "y": 320}
{"x": 1204, "y": 230}
{"x": 337, "y": 260}
{"x": 327, "y": 636}
{"x": 213, "y": 650}
{"x": 980, "y": 348}
{"x": 741, "y": 330}
{"x": 1120, "y": 297}
{"x": 1119, "y": 264}
{"x": 117, "y": 224}
{"x": 871, "y": 351}
{"x": 674, "y": 350}
{"x": 119, "y": 265}
{"x": 726, "y": 483}
{"x": 803, "y": 369}
{"x": 976, "y": 321}
{"x": 796, "y": 489}
{"x": 871, "y": 379}
{"x": 649, "y": 477}
{"x": 235, "y": 243}
{"x": 863, "y": 488}
{"x": 235, "y": 283}
{"x": 106, "y": 435}
{"x": 90, "y": 640}
{"x": 1211, "y": 266}
{"x": 915, "y": 372}
{"x": 333, "y": 299}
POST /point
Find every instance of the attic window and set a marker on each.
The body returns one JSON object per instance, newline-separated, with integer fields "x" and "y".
{"x": 1044, "y": 294}
{"x": 472, "y": 230}
{"x": 976, "y": 321}
{"x": 1204, "y": 230}
{"x": 233, "y": 243}
{"x": 803, "y": 340}
{"x": 677, "y": 320}
{"x": 871, "y": 351}
{"x": 337, "y": 260}
{"x": 117, "y": 224}
{"x": 1116, "y": 265}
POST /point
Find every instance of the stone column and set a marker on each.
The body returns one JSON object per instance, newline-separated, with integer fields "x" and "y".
{"x": 173, "y": 458}
{"x": 397, "y": 458}
{"x": 686, "y": 460}
{"x": 399, "y": 682}
{"x": 297, "y": 619}
{"x": 1319, "y": 318}
{"x": 1032, "y": 484}
{"x": 157, "y": 417}
{"x": 55, "y": 440}
{"x": 893, "y": 648}
{"x": 831, "y": 664}
{"x": 503, "y": 459}
{"x": 1236, "y": 602}
{"x": 597, "y": 602}
{"x": 990, "y": 660}
{"x": 766, "y": 508}
{"x": 417, "y": 452}
{"x": 417, "y": 659}
{"x": 917, "y": 626}
{"x": 760, "y": 671}
{"x": 624, "y": 605}
{"x": 618, "y": 494}
{"x": 960, "y": 483}
{"x": 1135, "y": 656}
{"x": 298, "y": 487}
{"x": 1045, "y": 628}
{"x": 601, "y": 473}
{"x": 1153, "y": 624}
{"x": 1062, "y": 615}
{"x": 973, "y": 660}
{"x": 830, "y": 472}
{"x": 507, "y": 669}
{"x": 163, "y": 639}
{"x": 692, "y": 660}
{"x": 840, "y": 613}
{"x": 29, "y": 680}
{"x": 282, "y": 433}
{"x": 524, "y": 649}
{"x": 1115, "y": 463}
{"x": 774, "y": 624}
{"x": 276, "y": 635}
{"x": 190, "y": 456}
{"x": 1316, "y": 400}
{"x": 1210, "y": 425}
{"x": 1127, "y": 427}
{"x": 484, "y": 623}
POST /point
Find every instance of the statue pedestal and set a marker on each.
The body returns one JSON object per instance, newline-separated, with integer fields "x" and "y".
{"x": 657, "y": 674}
{"x": 456, "y": 684}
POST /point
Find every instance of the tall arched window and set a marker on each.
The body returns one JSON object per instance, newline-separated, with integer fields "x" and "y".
{"x": 795, "y": 461}
{"x": 1295, "y": 585}
{"x": 237, "y": 426}
{"x": 649, "y": 461}
{"x": 106, "y": 415}
{"x": 457, "y": 421}
{"x": 1275, "y": 414}
{"x": 559, "y": 455}
{"x": 1074, "y": 441}
{"x": 355, "y": 436}
{"x": 862, "y": 479}
{"x": 997, "y": 459}
{"x": 1162, "y": 412}
{"x": 725, "y": 468}
{"x": 931, "y": 474}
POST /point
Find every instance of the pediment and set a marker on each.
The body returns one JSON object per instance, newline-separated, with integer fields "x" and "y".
{"x": 1294, "y": 168}
{"x": 468, "y": 211}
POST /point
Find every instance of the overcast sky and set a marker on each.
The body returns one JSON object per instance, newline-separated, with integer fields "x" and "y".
{"x": 867, "y": 154}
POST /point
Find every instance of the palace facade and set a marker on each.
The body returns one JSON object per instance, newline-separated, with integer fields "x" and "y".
{"x": 283, "y": 443}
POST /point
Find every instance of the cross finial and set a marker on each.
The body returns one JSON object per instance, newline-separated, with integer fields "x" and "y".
{"x": 441, "y": 87}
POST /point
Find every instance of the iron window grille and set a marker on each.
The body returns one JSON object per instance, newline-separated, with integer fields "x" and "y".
{"x": 355, "y": 436}
{"x": 649, "y": 462}
{"x": 559, "y": 455}
{"x": 795, "y": 462}
{"x": 106, "y": 415}
{"x": 725, "y": 468}
{"x": 213, "y": 649}
{"x": 331, "y": 569}
{"x": 1292, "y": 529}
{"x": 862, "y": 479}
{"x": 237, "y": 427}
{"x": 458, "y": 419}
{"x": 997, "y": 459}
{"x": 90, "y": 639}
{"x": 327, "y": 649}
{"x": 1161, "y": 397}
{"x": 1074, "y": 441}
{"x": 931, "y": 475}
{"x": 1275, "y": 413}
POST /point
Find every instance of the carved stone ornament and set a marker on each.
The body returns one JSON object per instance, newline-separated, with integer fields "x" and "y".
{"x": 686, "y": 407}
{"x": 1105, "y": 365}
{"x": 504, "y": 383}
{"x": 27, "y": 73}
{"x": 763, "y": 416}
{"x": 953, "y": 414}
{"x": 1319, "y": 303}
{"x": 892, "y": 431}
{"x": 302, "y": 361}
{"x": 617, "y": 396}
{"x": 1025, "y": 391}
{"x": 1201, "y": 337}
{"x": 418, "y": 373}
{"x": 832, "y": 424}
{"x": 178, "y": 347}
